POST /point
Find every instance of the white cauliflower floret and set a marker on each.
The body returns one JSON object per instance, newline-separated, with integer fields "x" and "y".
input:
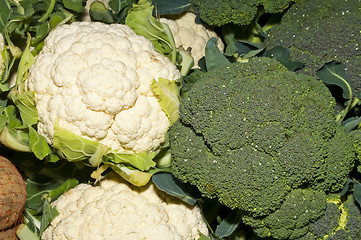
{"x": 95, "y": 80}
{"x": 188, "y": 33}
{"x": 116, "y": 210}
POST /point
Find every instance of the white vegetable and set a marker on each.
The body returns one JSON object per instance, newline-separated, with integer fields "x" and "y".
{"x": 116, "y": 210}
{"x": 188, "y": 33}
{"x": 95, "y": 80}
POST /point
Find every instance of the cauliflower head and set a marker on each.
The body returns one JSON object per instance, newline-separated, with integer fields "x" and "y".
{"x": 188, "y": 34}
{"x": 95, "y": 80}
{"x": 113, "y": 209}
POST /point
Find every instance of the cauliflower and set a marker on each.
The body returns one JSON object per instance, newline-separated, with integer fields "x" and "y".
{"x": 114, "y": 209}
{"x": 94, "y": 80}
{"x": 189, "y": 34}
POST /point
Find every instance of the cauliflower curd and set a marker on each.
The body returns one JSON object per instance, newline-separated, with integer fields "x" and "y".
{"x": 95, "y": 80}
{"x": 117, "y": 210}
{"x": 188, "y": 34}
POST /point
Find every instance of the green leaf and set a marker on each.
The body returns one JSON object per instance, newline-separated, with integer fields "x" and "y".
{"x": 168, "y": 94}
{"x": 26, "y": 106}
{"x": 66, "y": 186}
{"x": 14, "y": 134}
{"x": 133, "y": 176}
{"x": 167, "y": 183}
{"x": 49, "y": 213}
{"x": 213, "y": 56}
{"x": 334, "y": 73}
{"x": 142, "y": 22}
{"x": 121, "y": 8}
{"x": 204, "y": 237}
{"x": 171, "y": 6}
{"x": 141, "y": 161}
{"x": 5, "y": 15}
{"x": 74, "y": 5}
{"x": 351, "y": 123}
{"x": 38, "y": 144}
{"x": 282, "y": 55}
{"x": 99, "y": 12}
{"x": 185, "y": 61}
{"x": 357, "y": 192}
{"x": 356, "y": 189}
{"x": 37, "y": 186}
{"x": 229, "y": 224}
{"x": 75, "y": 148}
{"x": 26, "y": 61}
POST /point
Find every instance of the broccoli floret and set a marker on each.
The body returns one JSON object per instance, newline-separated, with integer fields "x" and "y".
{"x": 342, "y": 221}
{"x": 242, "y": 12}
{"x": 251, "y": 133}
{"x": 356, "y": 136}
{"x": 291, "y": 220}
{"x": 319, "y": 31}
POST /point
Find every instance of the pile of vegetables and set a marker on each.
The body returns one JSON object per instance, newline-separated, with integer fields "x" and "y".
{"x": 180, "y": 119}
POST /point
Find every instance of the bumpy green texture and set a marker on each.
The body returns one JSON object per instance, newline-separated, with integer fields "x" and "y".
{"x": 291, "y": 220}
{"x": 342, "y": 221}
{"x": 242, "y": 12}
{"x": 319, "y": 31}
{"x": 250, "y": 134}
{"x": 356, "y": 138}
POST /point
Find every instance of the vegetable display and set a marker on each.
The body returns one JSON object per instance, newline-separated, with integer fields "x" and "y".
{"x": 180, "y": 119}
{"x": 254, "y": 129}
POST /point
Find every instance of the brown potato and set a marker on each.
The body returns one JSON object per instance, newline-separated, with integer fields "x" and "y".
{"x": 12, "y": 194}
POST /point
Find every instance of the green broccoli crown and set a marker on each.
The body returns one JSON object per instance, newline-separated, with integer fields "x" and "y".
{"x": 291, "y": 220}
{"x": 319, "y": 31}
{"x": 251, "y": 132}
{"x": 341, "y": 221}
{"x": 221, "y": 12}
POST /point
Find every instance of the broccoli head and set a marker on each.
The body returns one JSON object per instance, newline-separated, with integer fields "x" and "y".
{"x": 241, "y": 12}
{"x": 341, "y": 221}
{"x": 319, "y": 31}
{"x": 251, "y": 133}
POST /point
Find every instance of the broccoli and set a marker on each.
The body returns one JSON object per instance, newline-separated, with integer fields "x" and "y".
{"x": 242, "y": 12}
{"x": 291, "y": 220}
{"x": 251, "y": 134}
{"x": 356, "y": 136}
{"x": 342, "y": 221}
{"x": 319, "y": 31}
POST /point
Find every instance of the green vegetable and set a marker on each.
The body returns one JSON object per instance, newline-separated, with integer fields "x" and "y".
{"x": 253, "y": 134}
{"x": 142, "y": 22}
{"x": 342, "y": 220}
{"x": 321, "y": 37}
{"x": 222, "y": 12}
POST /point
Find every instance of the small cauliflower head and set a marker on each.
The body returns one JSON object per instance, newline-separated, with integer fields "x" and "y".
{"x": 114, "y": 209}
{"x": 188, "y": 34}
{"x": 95, "y": 80}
